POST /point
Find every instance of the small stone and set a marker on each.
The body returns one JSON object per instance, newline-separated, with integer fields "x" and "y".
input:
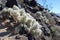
{"x": 7, "y": 20}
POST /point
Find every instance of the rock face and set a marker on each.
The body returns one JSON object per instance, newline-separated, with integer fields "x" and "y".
{"x": 20, "y": 20}
{"x": 10, "y": 3}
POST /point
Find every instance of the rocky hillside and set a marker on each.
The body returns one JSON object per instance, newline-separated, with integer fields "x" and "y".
{"x": 27, "y": 20}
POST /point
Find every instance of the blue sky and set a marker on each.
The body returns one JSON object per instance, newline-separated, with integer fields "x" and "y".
{"x": 54, "y": 5}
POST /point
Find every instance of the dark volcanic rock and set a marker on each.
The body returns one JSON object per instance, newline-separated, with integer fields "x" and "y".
{"x": 10, "y": 3}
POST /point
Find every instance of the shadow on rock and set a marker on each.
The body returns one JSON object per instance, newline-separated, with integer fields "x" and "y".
{"x": 4, "y": 34}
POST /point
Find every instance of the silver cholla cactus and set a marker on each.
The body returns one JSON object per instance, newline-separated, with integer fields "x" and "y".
{"x": 20, "y": 16}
